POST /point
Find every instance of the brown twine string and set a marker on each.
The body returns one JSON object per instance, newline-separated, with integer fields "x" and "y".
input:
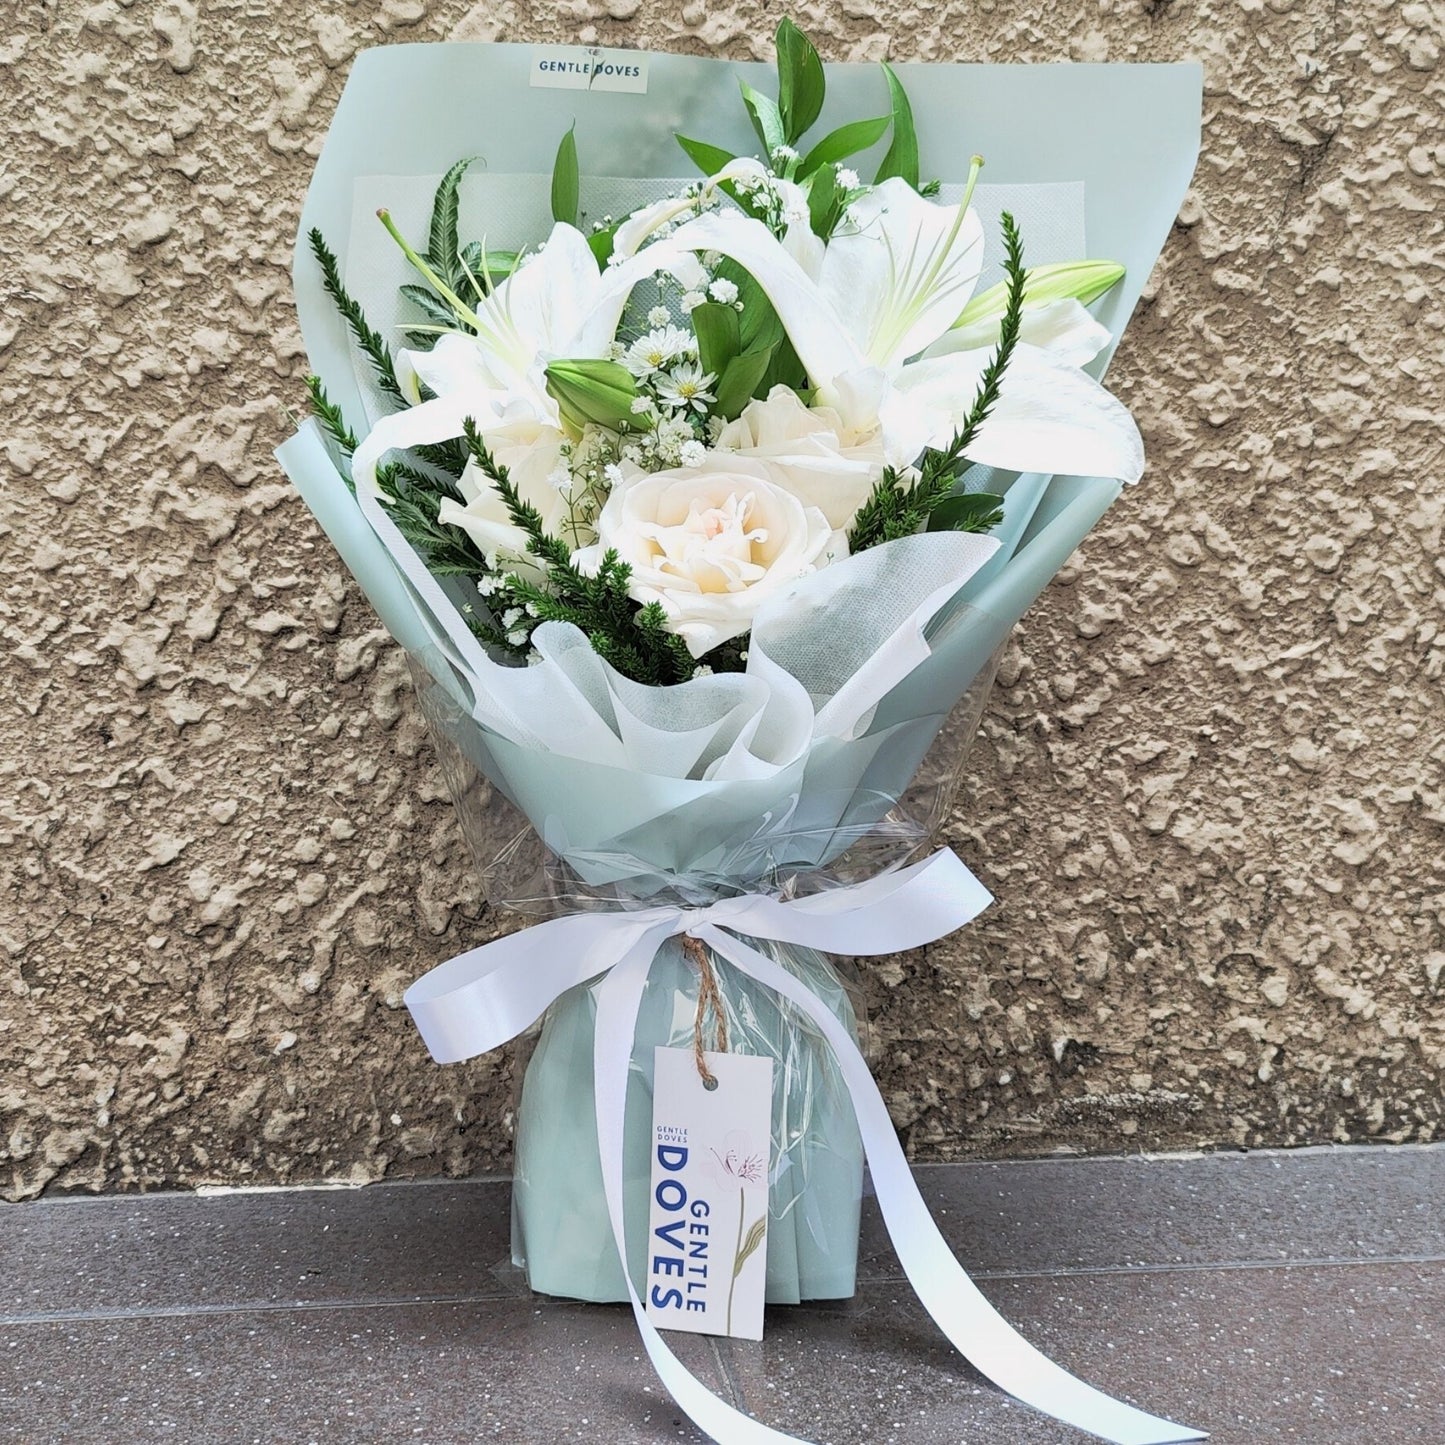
{"x": 707, "y": 997}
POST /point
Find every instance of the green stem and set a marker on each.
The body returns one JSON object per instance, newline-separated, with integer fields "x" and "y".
{"x": 737, "y": 1250}
{"x": 461, "y": 308}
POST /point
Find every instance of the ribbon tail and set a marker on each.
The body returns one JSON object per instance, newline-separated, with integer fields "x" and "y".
{"x": 957, "y": 1306}
{"x": 619, "y": 997}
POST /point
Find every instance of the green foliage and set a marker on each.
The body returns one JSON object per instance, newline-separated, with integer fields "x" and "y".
{"x": 442, "y": 244}
{"x": 632, "y": 638}
{"x": 719, "y": 335}
{"x": 967, "y": 512}
{"x": 414, "y": 499}
{"x": 846, "y": 141}
{"x": 765, "y": 116}
{"x": 709, "y": 159}
{"x": 741, "y": 380}
{"x": 566, "y": 181}
{"x": 332, "y": 422}
{"x": 1008, "y": 336}
{"x": 902, "y": 157}
{"x": 367, "y": 338}
{"x": 896, "y": 508}
{"x": 801, "y": 85}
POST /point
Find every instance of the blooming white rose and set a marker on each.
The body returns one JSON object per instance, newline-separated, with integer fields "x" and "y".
{"x": 533, "y": 456}
{"x": 808, "y": 449}
{"x": 711, "y": 544}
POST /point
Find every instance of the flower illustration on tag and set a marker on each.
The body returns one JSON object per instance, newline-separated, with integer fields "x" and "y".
{"x": 741, "y": 1166}
{"x": 739, "y": 1161}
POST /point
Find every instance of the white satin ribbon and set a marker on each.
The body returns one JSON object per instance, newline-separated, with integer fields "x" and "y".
{"x": 481, "y": 999}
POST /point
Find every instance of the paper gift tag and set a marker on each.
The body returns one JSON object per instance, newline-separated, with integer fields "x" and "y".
{"x": 707, "y": 1237}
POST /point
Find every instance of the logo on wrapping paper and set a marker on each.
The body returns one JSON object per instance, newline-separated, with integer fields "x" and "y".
{"x": 565, "y": 67}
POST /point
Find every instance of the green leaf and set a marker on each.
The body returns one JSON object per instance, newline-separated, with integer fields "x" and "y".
{"x": 785, "y": 370}
{"x": 486, "y": 268}
{"x": 740, "y": 378}
{"x": 846, "y": 141}
{"x": 442, "y": 241}
{"x": 967, "y": 512}
{"x": 367, "y": 336}
{"x": 801, "y": 85}
{"x": 758, "y": 322}
{"x": 765, "y": 118}
{"x": 709, "y": 159}
{"x": 823, "y": 201}
{"x": 719, "y": 336}
{"x": 902, "y": 157}
{"x": 434, "y": 309}
{"x": 565, "y": 181}
{"x": 600, "y": 243}
{"x": 750, "y": 1244}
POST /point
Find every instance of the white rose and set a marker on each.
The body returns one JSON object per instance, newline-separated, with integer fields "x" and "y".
{"x": 532, "y": 454}
{"x": 711, "y": 544}
{"x": 808, "y": 450}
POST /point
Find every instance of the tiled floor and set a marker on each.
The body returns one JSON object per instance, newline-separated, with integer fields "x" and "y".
{"x": 1264, "y": 1297}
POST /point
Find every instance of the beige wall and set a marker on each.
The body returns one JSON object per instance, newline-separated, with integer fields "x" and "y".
{"x": 1209, "y": 789}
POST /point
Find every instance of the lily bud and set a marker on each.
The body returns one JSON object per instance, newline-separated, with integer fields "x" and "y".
{"x": 1082, "y": 281}
{"x": 600, "y": 392}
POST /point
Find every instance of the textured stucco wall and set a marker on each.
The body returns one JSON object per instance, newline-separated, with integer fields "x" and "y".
{"x": 1209, "y": 787}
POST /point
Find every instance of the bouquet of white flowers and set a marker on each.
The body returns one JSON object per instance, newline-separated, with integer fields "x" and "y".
{"x": 702, "y": 508}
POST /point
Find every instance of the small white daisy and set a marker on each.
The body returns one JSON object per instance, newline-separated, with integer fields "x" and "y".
{"x": 652, "y": 352}
{"x": 686, "y": 386}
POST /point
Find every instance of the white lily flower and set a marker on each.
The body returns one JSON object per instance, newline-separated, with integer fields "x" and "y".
{"x": 900, "y": 269}
{"x": 1063, "y": 328}
{"x": 868, "y": 319}
{"x": 865, "y": 332}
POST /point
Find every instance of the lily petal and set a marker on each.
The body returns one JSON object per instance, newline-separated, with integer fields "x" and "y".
{"x": 1050, "y": 417}
{"x": 900, "y": 269}
{"x": 1064, "y": 329}
{"x": 432, "y": 421}
{"x": 822, "y": 342}
{"x": 824, "y": 345}
{"x": 456, "y": 363}
{"x": 630, "y": 235}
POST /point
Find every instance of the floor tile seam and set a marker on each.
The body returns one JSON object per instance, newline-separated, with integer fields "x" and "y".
{"x": 1223, "y": 1266}
{"x": 202, "y": 1311}
{"x": 250, "y": 1307}
{"x": 1360, "y": 1153}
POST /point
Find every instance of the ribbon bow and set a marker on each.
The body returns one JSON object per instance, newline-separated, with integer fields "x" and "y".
{"x": 481, "y": 999}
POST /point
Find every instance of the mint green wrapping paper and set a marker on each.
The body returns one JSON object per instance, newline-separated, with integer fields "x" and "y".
{"x": 551, "y": 831}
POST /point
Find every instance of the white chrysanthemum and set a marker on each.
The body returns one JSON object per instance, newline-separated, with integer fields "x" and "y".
{"x": 652, "y": 352}
{"x": 686, "y": 386}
